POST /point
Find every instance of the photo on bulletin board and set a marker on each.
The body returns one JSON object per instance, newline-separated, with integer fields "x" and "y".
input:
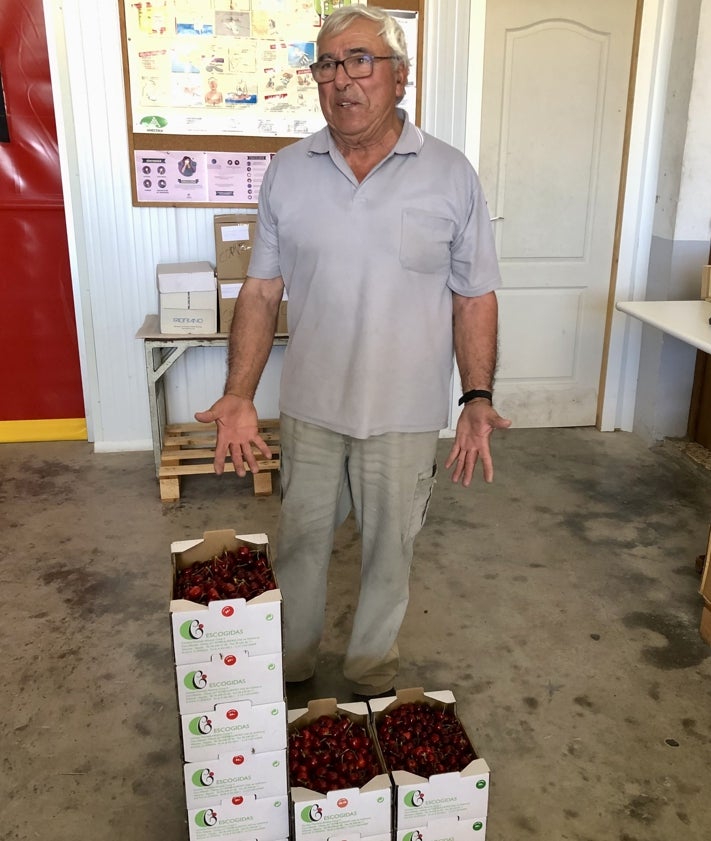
{"x": 223, "y": 85}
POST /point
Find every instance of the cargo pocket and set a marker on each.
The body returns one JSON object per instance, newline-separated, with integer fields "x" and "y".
{"x": 421, "y": 500}
{"x": 425, "y": 241}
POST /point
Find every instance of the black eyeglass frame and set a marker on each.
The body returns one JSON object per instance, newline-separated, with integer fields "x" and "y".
{"x": 370, "y": 63}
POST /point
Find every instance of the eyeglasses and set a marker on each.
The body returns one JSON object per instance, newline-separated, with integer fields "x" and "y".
{"x": 356, "y": 67}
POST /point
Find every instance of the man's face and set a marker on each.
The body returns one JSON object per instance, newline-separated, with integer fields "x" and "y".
{"x": 360, "y": 110}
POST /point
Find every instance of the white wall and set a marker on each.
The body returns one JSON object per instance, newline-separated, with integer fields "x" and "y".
{"x": 682, "y": 226}
{"x": 694, "y": 212}
{"x": 116, "y": 245}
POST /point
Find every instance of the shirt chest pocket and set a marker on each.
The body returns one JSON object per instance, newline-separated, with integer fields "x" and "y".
{"x": 425, "y": 241}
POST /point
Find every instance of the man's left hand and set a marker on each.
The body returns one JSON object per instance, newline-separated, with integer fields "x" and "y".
{"x": 471, "y": 442}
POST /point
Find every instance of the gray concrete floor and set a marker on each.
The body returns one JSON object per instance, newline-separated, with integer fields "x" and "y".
{"x": 559, "y": 604}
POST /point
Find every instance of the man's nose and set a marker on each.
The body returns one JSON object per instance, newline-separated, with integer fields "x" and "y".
{"x": 342, "y": 79}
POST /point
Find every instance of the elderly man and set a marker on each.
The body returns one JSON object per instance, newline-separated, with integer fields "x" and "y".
{"x": 381, "y": 235}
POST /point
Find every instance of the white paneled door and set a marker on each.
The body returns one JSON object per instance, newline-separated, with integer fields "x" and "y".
{"x": 556, "y": 80}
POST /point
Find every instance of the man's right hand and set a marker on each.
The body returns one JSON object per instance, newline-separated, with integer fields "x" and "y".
{"x": 237, "y": 430}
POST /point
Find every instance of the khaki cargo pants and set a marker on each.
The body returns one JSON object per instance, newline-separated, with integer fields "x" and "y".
{"x": 387, "y": 480}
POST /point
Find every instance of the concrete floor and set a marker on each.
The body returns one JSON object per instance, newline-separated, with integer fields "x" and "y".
{"x": 559, "y": 604}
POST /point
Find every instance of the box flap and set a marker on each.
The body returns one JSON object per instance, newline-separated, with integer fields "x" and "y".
{"x": 324, "y": 706}
{"x": 212, "y": 543}
{"x": 229, "y": 289}
{"x": 186, "y": 277}
{"x": 411, "y": 696}
{"x": 476, "y": 768}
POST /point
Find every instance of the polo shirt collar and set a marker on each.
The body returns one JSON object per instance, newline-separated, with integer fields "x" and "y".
{"x": 409, "y": 143}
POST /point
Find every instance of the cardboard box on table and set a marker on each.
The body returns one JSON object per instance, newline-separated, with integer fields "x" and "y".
{"x": 187, "y": 295}
{"x": 342, "y": 813}
{"x": 201, "y": 632}
{"x": 241, "y": 774}
{"x": 239, "y": 727}
{"x": 421, "y": 800}
{"x": 234, "y": 236}
{"x": 227, "y": 294}
{"x": 250, "y": 819}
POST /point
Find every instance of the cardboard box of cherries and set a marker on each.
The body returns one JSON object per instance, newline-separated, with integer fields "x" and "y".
{"x": 349, "y": 762}
{"x": 339, "y": 787}
{"x": 436, "y": 773}
{"x": 224, "y": 598}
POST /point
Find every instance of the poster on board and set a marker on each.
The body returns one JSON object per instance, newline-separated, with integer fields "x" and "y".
{"x": 189, "y": 177}
{"x": 232, "y": 76}
{"x": 224, "y": 67}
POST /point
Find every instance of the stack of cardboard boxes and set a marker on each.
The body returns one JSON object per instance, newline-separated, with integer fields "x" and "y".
{"x": 234, "y": 235}
{"x": 235, "y": 726}
{"x": 187, "y": 298}
{"x": 197, "y": 298}
{"x": 230, "y": 690}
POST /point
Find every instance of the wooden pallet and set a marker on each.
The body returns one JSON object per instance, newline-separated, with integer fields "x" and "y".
{"x": 189, "y": 449}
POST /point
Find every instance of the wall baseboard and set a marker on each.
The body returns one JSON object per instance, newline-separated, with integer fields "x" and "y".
{"x": 55, "y": 429}
{"x": 140, "y": 445}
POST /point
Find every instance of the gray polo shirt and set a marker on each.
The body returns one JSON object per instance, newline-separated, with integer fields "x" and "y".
{"x": 370, "y": 269}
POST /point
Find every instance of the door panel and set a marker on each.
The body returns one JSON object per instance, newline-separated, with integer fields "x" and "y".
{"x": 40, "y": 376}
{"x": 556, "y": 75}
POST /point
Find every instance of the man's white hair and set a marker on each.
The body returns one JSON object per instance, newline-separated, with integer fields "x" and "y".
{"x": 390, "y": 30}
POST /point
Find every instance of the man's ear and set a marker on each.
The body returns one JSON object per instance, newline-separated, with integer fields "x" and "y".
{"x": 401, "y": 74}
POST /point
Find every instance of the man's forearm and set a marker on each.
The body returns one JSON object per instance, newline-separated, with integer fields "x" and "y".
{"x": 475, "y": 339}
{"x": 252, "y": 335}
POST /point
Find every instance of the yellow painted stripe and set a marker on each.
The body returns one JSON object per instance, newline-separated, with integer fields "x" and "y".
{"x": 59, "y": 429}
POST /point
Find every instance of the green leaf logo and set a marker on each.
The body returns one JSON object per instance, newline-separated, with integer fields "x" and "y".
{"x": 195, "y": 680}
{"x": 414, "y": 798}
{"x": 201, "y": 726}
{"x": 191, "y": 630}
{"x": 206, "y": 817}
{"x": 312, "y": 814}
{"x": 481, "y": 784}
{"x": 154, "y": 121}
{"x": 203, "y": 778}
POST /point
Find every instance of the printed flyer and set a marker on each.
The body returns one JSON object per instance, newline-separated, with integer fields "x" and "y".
{"x": 221, "y": 178}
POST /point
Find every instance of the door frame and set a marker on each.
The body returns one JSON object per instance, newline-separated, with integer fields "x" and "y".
{"x": 623, "y": 336}
{"x": 59, "y": 65}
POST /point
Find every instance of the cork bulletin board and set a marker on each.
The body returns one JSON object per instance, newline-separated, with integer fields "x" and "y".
{"x": 214, "y": 88}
